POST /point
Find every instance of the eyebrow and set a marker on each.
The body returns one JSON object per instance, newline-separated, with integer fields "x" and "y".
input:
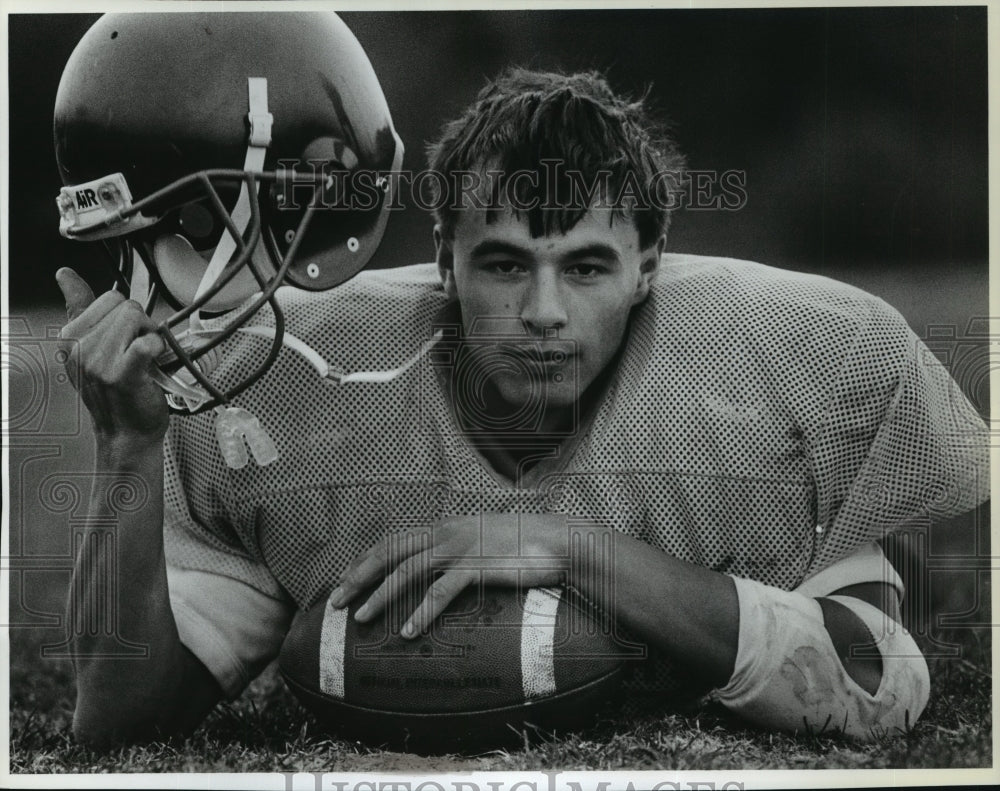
{"x": 595, "y": 250}
{"x": 496, "y": 246}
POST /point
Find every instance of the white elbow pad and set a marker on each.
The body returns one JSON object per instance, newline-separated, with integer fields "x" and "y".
{"x": 788, "y": 675}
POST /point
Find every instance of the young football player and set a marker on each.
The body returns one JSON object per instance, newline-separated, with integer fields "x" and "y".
{"x": 708, "y": 448}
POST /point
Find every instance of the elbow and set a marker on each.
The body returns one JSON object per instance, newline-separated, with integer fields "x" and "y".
{"x": 882, "y": 675}
{"x": 904, "y": 689}
{"x": 832, "y": 703}
{"x": 791, "y": 677}
{"x": 98, "y": 729}
{"x": 115, "y": 708}
{"x": 101, "y": 732}
{"x": 103, "y": 722}
{"x": 93, "y": 734}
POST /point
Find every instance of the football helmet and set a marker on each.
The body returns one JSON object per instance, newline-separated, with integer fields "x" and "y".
{"x": 220, "y": 155}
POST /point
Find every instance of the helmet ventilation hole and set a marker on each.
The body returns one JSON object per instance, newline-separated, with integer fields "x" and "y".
{"x": 353, "y": 244}
{"x": 313, "y": 271}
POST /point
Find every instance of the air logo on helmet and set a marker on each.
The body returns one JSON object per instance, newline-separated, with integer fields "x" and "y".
{"x": 85, "y": 199}
{"x": 98, "y": 209}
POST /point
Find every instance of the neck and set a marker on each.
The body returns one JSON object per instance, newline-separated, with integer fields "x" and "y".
{"x": 495, "y": 410}
{"x": 512, "y": 438}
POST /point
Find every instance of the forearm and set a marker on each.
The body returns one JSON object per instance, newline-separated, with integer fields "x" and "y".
{"x": 779, "y": 658}
{"x": 687, "y": 611}
{"x": 124, "y": 697}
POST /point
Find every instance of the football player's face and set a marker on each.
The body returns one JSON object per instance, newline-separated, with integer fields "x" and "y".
{"x": 548, "y": 313}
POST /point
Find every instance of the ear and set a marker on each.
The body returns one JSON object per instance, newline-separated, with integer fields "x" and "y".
{"x": 648, "y": 268}
{"x": 445, "y": 262}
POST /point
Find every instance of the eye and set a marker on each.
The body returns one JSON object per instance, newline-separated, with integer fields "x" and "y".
{"x": 586, "y": 271}
{"x": 504, "y": 267}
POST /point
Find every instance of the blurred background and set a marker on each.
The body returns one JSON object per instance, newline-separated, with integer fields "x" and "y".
{"x": 862, "y": 133}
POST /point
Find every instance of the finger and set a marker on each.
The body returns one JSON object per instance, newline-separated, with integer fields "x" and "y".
{"x": 146, "y": 345}
{"x": 75, "y": 291}
{"x": 395, "y": 585}
{"x": 359, "y": 574}
{"x": 377, "y": 562}
{"x": 104, "y": 347}
{"x": 96, "y": 312}
{"x": 126, "y": 322}
{"x": 440, "y": 594}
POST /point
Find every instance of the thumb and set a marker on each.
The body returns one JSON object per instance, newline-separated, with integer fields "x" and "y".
{"x": 75, "y": 290}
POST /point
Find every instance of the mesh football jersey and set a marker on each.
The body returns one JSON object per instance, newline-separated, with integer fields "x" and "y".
{"x": 761, "y": 422}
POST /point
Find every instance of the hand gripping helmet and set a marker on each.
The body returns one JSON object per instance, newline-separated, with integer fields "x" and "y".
{"x": 220, "y": 155}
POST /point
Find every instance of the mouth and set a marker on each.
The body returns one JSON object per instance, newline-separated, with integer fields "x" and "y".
{"x": 537, "y": 354}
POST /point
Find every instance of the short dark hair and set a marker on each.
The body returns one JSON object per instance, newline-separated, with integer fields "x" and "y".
{"x": 526, "y": 118}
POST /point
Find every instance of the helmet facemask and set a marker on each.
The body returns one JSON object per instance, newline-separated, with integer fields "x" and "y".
{"x": 158, "y": 233}
{"x": 215, "y": 240}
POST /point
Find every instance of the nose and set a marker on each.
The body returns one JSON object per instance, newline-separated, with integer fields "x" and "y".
{"x": 543, "y": 306}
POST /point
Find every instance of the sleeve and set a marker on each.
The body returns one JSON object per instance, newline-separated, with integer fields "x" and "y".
{"x": 865, "y": 564}
{"x": 898, "y": 442}
{"x": 229, "y": 610}
{"x": 789, "y": 675}
{"x": 234, "y": 629}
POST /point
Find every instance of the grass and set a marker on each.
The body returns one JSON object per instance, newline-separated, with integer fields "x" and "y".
{"x": 265, "y": 730}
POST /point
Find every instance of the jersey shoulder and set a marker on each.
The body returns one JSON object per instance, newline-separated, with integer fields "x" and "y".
{"x": 372, "y": 321}
{"x": 798, "y": 341}
{"x": 377, "y": 299}
{"x": 795, "y": 319}
{"x": 762, "y": 294}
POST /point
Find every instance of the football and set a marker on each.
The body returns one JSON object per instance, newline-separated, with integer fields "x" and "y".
{"x": 499, "y": 663}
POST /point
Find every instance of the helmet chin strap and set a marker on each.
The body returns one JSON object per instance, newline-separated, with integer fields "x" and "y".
{"x": 182, "y": 385}
{"x": 233, "y": 425}
{"x": 260, "y": 139}
{"x": 138, "y": 281}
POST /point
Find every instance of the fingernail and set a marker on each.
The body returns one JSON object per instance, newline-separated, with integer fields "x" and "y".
{"x": 337, "y": 598}
{"x": 408, "y": 630}
{"x": 362, "y": 612}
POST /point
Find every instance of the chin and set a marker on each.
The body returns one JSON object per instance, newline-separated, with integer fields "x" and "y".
{"x": 527, "y": 394}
